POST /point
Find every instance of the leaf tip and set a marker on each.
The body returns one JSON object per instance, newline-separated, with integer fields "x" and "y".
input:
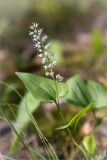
{"x": 17, "y": 73}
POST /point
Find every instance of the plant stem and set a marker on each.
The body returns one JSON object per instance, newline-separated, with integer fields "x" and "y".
{"x": 68, "y": 130}
{"x": 61, "y": 114}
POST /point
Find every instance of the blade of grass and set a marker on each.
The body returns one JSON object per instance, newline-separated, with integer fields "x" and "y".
{"x": 15, "y": 90}
{"x": 14, "y": 129}
{"x": 42, "y": 137}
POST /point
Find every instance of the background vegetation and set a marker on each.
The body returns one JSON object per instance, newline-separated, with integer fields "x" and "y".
{"x": 78, "y": 32}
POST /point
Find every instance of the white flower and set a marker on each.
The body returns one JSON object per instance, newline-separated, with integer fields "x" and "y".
{"x": 42, "y": 46}
{"x": 52, "y": 74}
{"x": 35, "y": 31}
{"x": 33, "y": 26}
{"x": 54, "y": 63}
{"x": 39, "y": 32}
{"x": 50, "y": 65}
{"x": 38, "y": 37}
{"x": 40, "y": 50}
{"x": 34, "y": 36}
{"x": 40, "y": 55}
{"x": 34, "y": 39}
{"x": 36, "y": 25}
{"x": 47, "y": 46}
{"x": 45, "y": 66}
{"x": 43, "y": 60}
{"x": 44, "y": 38}
{"x": 59, "y": 78}
{"x": 31, "y": 33}
{"x": 38, "y": 46}
{"x": 47, "y": 73}
{"x": 38, "y": 42}
{"x": 46, "y": 53}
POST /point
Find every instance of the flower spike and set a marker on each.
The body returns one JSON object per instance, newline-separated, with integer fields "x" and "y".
{"x": 42, "y": 46}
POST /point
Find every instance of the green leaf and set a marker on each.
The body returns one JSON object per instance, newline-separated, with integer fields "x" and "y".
{"x": 41, "y": 88}
{"x": 89, "y": 143}
{"x": 27, "y": 106}
{"x": 82, "y": 92}
{"x": 98, "y": 93}
{"x": 73, "y": 122}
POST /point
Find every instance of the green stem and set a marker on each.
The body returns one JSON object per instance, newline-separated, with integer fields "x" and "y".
{"x": 62, "y": 117}
{"x": 68, "y": 130}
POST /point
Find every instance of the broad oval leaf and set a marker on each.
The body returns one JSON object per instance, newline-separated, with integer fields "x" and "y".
{"x": 74, "y": 121}
{"x": 27, "y": 106}
{"x": 82, "y": 92}
{"x": 42, "y": 88}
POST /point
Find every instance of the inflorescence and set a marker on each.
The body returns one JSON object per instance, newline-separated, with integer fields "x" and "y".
{"x": 41, "y": 44}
